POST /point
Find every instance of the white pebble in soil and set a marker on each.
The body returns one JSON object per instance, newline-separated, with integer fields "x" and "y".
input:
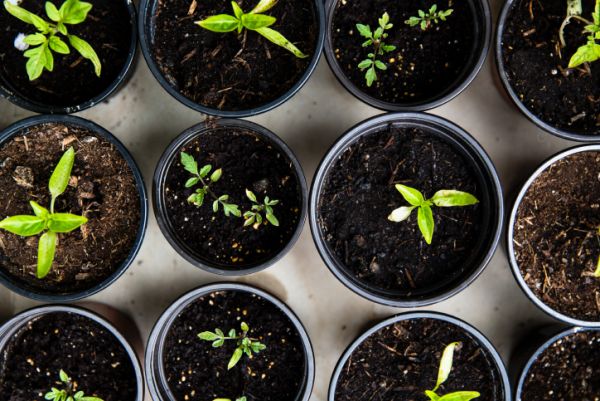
{"x": 19, "y": 42}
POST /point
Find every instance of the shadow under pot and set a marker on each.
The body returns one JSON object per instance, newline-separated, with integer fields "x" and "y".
{"x": 230, "y": 196}
{"x": 74, "y": 208}
{"x": 553, "y": 236}
{"x": 406, "y": 209}
{"x": 429, "y": 352}
{"x": 94, "y": 358}
{"x": 535, "y": 47}
{"x": 407, "y": 55}
{"x": 229, "y": 341}
{"x": 252, "y": 58}
{"x": 85, "y": 61}
{"x": 562, "y": 368}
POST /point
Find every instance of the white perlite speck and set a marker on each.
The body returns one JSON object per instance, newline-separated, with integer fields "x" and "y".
{"x": 20, "y": 42}
{"x": 15, "y": 2}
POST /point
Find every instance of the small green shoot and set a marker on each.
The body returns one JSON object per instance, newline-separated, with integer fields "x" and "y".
{"x": 47, "y": 222}
{"x": 254, "y": 217}
{"x": 443, "y": 374}
{"x": 69, "y": 393}
{"x": 242, "y": 398}
{"x": 245, "y": 344}
{"x": 376, "y": 40}
{"x": 589, "y": 52}
{"x": 597, "y": 272}
{"x": 48, "y": 39}
{"x": 442, "y": 198}
{"x": 425, "y": 19}
{"x": 255, "y": 21}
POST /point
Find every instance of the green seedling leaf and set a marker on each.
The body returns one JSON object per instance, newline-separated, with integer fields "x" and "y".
{"x": 263, "y": 6}
{"x": 257, "y": 21}
{"x": 26, "y": 16}
{"x": 597, "y": 272}
{"x": 65, "y": 222}
{"x": 38, "y": 210}
{"x": 272, "y": 219}
{"x": 250, "y": 195}
{"x": 58, "y": 45}
{"x": 64, "y": 377}
{"x": 219, "y": 23}
{"x": 460, "y": 396}
{"x": 277, "y": 38}
{"x": 86, "y": 51}
{"x": 432, "y": 395}
{"x": 411, "y": 195}
{"x": 46, "y": 251}
{"x": 237, "y": 10}
{"x": 208, "y": 336}
{"x": 74, "y": 11}
{"x": 191, "y": 182}
{"x": 23, "y": 225}
{"x": 445, "y": 364}
{"x": 205, "y": 170}
{"x": 371, "y": 76}
{"x": 38, "y": 60}
{"x": 62, "y": 173}
{"x": 426, "y": 222}
{"x": 451, "y": 198}
{"x": 216, "y": 175}
{"x": 52, "y": 12}
{"x": 587, "y": 53}
{"x": 364, "y": 30}
{"x": 35, "y": 39}
{"x": 188, "y": 162}
{"x": 401, "y": 214}
{"x": 235, "y": 358}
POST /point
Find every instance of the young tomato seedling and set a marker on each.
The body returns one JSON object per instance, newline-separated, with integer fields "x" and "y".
{"x": 69, "y": 393}
{"x": 47, "y": 221}
{"x": 426, "y": 18}
{"x": 255, "y": 21}
{"x": 443, "y": 374}
{"x": 245, "y": 344}
{"x": 442, "y": 198}
{"x": 589, "y": 52}
{"x": 48, "y": 38}
{"x": 376, "y": 40}
{"x": 254, "y": 217}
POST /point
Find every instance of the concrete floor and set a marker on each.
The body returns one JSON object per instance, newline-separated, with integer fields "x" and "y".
{"x": 146, "y": 119}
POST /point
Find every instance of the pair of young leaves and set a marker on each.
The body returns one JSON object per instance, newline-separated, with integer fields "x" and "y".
{"x": 442, "y": 198}
{"x": 255, "y": 20}
{"x": 589, "y": 52}
{"x": 48, "y": 39}
{"x": 425, "y": 18}
{"x": 47, "y": 221}
{"x": 443, "y": 374}
{"x": 65, "y": 395}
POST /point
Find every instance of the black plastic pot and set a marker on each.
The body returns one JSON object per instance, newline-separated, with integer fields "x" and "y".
{"x": 155, "y": 374}
{"x": 562, "y": 133}
{"x": 532, "y": 347}
{"x": 17, "y": 127}
{"x": 22, "y": 99}
{"x": 146, "y": 32}
{"x": 492, "y": 202}
{"x": 478, "y": 336}
{"x": 171, "y": 154}
{"x": 483, "y": 29}
{"x": 12, "y": 326}
{"x": 510, "y": 233}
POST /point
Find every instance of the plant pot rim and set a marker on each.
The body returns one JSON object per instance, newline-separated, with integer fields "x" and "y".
{"x": 17, "y": 321}
{"x": 502, "y": 72}
{"x": 457, "y": 87}
{"x": 9, "y": 132}
{"x": 510, "y": 233}
{"x": 146, "y": 32}
{"x": 425, "y": 120}
{"x": 165, "y": 163}
{"x": 563, "y": 333}
{"x": 118, "y": 82}
{"x": 481, "y": 339}
{"x": 155, "y": 374}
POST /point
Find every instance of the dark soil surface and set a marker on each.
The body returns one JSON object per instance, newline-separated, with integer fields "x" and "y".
{"x": 102, "y": 188}
{"x": 401, "y": 361}
{"x": 537, "y": 65}
{"x": 556, "y": 238}
{"x": 424, "y": 65}
{"x": 566, "y": 371}
{"x": 247, "y": 161}
{"x": 107, "y": 29}
{"x": 196, "y": 371}
{"x": 93, "y": 358}
{"x": 359, "y": 194}
{"x": 227, "y": 71}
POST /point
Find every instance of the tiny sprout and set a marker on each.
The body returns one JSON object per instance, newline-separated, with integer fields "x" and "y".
{"x": 597, "y": 272}
{"x": 243, "y": 398}
{"x": 375, "y": 39}
{"x": 245, "y": 344}
{"x": 254, "y": 218}
{"x": 424, "y": 19}
{"x": 589, "y": 52}
{"x": 255, "y": 20}
{"x": 68, "y": 394}
{"x": 47, "y": 221}
{"x": 443, "y": 374}
{"x": 47, "y": 39}
{"x": 442, "y": 198}
{"x": 202, "y": 176}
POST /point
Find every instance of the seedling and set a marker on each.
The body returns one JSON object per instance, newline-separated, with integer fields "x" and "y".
{"x": 243, "y": 398}
{"x": 443, "y": 374}
{"x": 254, "y": 217}
{"x": 201, "y": 176}
{"x": 47, "y": 222}
{"x": 245, "y": 344}
{"x": 376, "y": 40}
{"x": 255, "y": 21}
{"x": 48, "y": 38}
{"x": 426, "y": 18}
{"x": 442, "y": 198}
{"x": 589, "y": 52}
{"x": 69, "y": 393}
{"x": 597, "y": 272}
